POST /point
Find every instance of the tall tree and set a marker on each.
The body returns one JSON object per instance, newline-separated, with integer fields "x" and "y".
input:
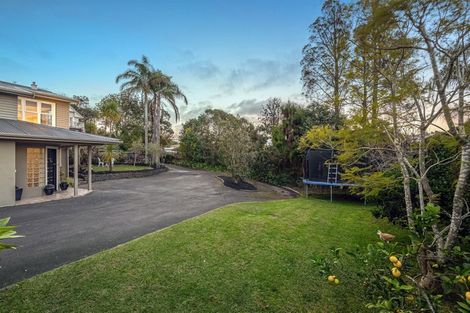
{"x": 270, "y": 115}
{"x": 440, "y": 35}
{"x": 165, "y": 94}
{"x": 437, "y": 36}
{"x": 326, "y": 56}
{"x": 137, "y": 80}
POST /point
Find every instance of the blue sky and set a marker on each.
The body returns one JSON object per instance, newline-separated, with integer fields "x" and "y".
{"x": 224, "y": 54}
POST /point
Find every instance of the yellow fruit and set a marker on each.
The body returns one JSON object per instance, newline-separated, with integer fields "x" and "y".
{"x": 461, "y": 279}
{"x": 395, "y": 272}
{"x": 397, "y": 264}
{"x": 467, "y": 295}
{"x": 337, "y": 281}
{"x": 393, "y": 259}
{"x": 468, "y": 277}
{"x": 331, "y": 278}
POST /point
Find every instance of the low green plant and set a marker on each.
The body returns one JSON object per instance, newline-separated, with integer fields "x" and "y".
{"x": 69, "y": 181}
{"x": 7, "y": 232}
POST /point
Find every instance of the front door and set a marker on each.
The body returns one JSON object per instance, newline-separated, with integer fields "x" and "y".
{"x": 51, "y": 166}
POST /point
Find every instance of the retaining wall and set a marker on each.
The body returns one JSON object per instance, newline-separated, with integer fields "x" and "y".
{"x": 126, "y": 174}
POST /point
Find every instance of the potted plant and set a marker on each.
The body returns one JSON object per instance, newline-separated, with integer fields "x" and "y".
{"x": 19, "y": 193}
{"x": 49, "y": 189}
{"x": 65, "y": 182}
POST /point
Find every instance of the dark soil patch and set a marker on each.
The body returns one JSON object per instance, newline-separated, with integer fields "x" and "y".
{"x": 229, "y": 182}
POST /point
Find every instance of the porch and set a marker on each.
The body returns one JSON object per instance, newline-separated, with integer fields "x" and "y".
{"x": 49, "y": 164}
{"x": 33, "y": 156}
{"x": 59, "y": 195}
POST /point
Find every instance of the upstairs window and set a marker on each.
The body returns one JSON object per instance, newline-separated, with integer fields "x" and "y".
{"x": 34, "y": 111}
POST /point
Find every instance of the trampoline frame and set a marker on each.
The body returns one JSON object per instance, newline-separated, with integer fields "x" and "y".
{"x": 308, "y": 183}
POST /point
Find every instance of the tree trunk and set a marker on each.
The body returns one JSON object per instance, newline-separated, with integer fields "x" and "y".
{"x": 146, "y": 129}
{"x": 428, "y": 279}
{"x": 156, "y": 129}
{"x": 459, "y": 193}
{"x": 375, "y": 92}
{"x": 364, "y": 95}
{"x": 407, "y": 191}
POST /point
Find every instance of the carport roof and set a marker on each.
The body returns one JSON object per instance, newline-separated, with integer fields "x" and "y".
{"x": 25, "y": 131}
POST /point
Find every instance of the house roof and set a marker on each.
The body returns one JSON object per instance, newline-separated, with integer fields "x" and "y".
{"x": 25, "y": 131}
{"x": 21, "y": 90}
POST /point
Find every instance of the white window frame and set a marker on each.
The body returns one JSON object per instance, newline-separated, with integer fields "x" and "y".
{"x": 38, "y": 108}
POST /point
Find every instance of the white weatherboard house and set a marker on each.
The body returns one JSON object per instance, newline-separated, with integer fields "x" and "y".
{"x": 35, "y": 139}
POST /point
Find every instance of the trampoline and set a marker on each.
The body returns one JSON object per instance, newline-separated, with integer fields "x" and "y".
{"x": 321, "y": 169}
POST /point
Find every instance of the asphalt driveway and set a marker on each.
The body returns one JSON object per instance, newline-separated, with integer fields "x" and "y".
{"x": 63, "y": 231}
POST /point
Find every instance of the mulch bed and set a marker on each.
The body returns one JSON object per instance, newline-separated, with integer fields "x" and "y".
{"x": 229, "y": 182}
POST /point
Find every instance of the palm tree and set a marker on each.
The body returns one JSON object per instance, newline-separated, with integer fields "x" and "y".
{"x": 137, "y": 80}
{"x": 165, "y": 93}
{"x": 109, "y": 112}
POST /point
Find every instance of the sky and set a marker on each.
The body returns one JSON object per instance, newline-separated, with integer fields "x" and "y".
{"x": 231, "y": 55}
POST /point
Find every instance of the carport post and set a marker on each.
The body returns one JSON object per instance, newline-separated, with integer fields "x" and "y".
{"x": 89, "y": 168}
{"x": 75, "y": 170}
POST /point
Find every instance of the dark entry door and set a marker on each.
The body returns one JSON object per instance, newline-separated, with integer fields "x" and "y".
{"x": 52, "y": 166}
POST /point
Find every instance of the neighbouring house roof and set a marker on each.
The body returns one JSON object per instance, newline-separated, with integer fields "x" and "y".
{"x": 21, "y": 90}
{"x": 25, "y": 131}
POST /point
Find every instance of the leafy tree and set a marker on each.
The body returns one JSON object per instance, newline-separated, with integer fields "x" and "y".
{"x": 285, "y": 137}
{"x": 136, "y": 148}
{"x": 320, "y": 114}
{"x": 270, "y": 115}
{"x": 110, "y": 113}
{"x": 326, "y": 57}
{"x": 129, "y": 127}
{"x": 202, "y": 138}
{"x": 237, "y": 147}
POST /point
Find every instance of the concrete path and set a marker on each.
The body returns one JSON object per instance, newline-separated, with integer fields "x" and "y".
{"x": 117, "y": 211}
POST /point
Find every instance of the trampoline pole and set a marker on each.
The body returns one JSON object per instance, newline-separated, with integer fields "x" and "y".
{"x": 306, "y": 190}
{"x": 331, "y": 193}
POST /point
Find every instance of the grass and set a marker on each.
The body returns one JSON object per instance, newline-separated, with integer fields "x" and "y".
{"x": 247, "y": 257}
{"x": 120, "y": 168}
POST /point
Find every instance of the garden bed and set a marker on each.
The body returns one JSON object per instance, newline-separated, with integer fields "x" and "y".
{"x": 122, "y": 174}
{"x": 230, "y": 182}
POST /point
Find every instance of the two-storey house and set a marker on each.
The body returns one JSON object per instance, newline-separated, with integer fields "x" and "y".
{"x": 35, "y": 139}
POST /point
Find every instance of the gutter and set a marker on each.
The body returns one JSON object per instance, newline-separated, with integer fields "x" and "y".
{"x": 55, "y": 139}
{"x": 35, "y": 94}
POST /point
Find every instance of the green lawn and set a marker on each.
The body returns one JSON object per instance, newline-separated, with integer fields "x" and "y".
{"x": 120, "y": 168}
{"x": 248, "y": 257}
